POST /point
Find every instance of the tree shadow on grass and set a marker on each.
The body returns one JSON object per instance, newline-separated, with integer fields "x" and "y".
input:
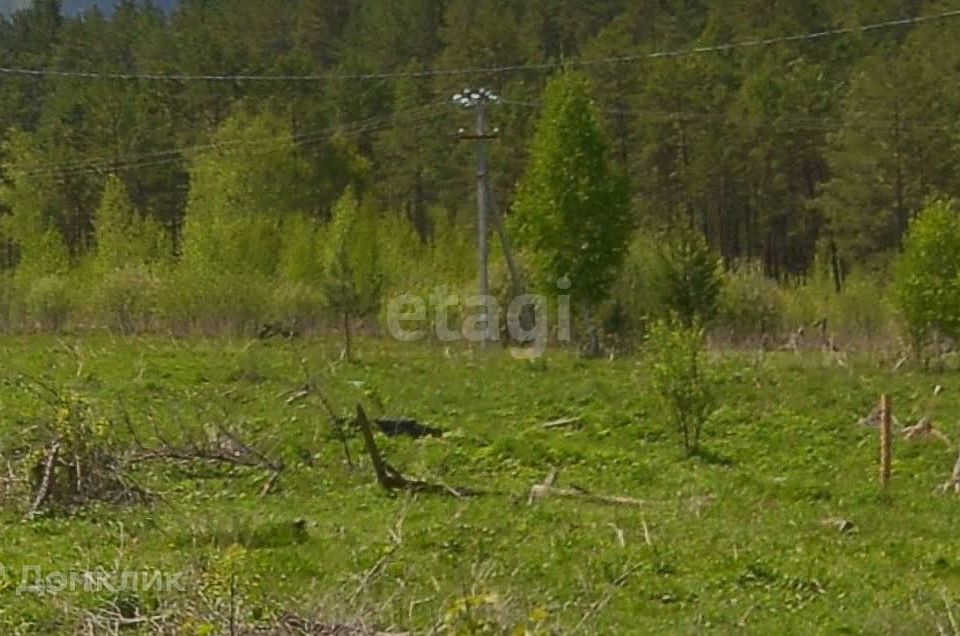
{"x": 712, "y": 458}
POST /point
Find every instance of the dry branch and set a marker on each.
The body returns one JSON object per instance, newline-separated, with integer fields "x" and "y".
{"x": 925, "y": 428}
{"x": 954, "y": 482}
{"x": 47, "y": 481}
{"x": 565, "y": 422}
{"x": 547, "y": 489}
{"x": 228, "y": 450}
{"x": 391, "y": 479}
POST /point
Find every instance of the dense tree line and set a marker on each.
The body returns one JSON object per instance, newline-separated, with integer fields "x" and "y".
{"x": 778, "y": 154}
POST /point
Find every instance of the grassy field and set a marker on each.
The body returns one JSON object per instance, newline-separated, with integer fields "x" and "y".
{"x": 778, "y": 527}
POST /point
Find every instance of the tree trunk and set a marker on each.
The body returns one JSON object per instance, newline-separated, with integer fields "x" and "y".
{"x": 593, "y": 338}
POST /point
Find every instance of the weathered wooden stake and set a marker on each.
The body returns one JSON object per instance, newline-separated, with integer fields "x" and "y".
{"x": 885, "y": 437}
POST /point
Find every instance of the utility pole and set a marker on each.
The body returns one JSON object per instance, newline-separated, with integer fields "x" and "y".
{"x": 478, "y": 100}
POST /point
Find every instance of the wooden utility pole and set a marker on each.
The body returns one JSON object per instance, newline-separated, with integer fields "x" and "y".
{"x": 483, "y": 216}
{"x": 478, "y": 100}
{"x": 885, "y": 440}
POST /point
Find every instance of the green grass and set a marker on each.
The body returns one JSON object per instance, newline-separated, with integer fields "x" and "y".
{"x": 732, "y": 541}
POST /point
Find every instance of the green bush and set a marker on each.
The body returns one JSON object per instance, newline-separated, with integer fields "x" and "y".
{"x": 632, "y": 293}
{"x": 126, "y": 299}
{"x": 681, "y": 379}
{"x": 862, "y": 309}
{"x": 750, "y": 303}
{"x": 49, "y": 302}
{"x": 926, "y": 278}
{"x": 297, "y": 305}
{"x": 195, "y": 302}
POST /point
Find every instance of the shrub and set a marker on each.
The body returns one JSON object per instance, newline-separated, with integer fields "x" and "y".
{"x": 49, "y": 302}
{"x": 124, "y": 236}
{"x": 749, "y": 303}
{"x": 862, "y": 309}
{"x": 632, "y": 290}
{"x": 297, "y": 305}
{"x": 126, "y": 298}
{"x": 927, "y": 274}
{"x": 681, "y": 379}
{"x": 191, "y": 301}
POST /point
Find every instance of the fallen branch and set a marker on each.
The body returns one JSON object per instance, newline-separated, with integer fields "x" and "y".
{"x": 873, "y": 420}
{"x": 338, "y": 424}
{"x": 565, "y": 422}
{"x": 925, "y": 428}
{"x": 228, "y": 450}
{"x": 46, "y": 481}
{"x": 954, "y": 483}
{"x": 546, "y": 489}
{"x": 391, "y": 479}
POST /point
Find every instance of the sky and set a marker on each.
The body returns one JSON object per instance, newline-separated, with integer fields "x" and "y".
{"x": 74, "y": 6}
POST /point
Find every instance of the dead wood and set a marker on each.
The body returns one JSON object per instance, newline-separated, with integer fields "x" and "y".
{"x": 46, "y": 482}
{"x": 954, "y": 482}
{"x": 228, "y": 450}
{"x": 925, "y": 428}
{"x": 337, "y": 423}
{"x": 390, "y": 478}
{"x": 546, "y": 489}
{"x": 564, "y": 422}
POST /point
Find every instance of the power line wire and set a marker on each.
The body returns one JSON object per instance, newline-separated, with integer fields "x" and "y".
{"x": 785, "y": 123}
{"x": 163, "y": 157}
{"x": 495, "y": 70}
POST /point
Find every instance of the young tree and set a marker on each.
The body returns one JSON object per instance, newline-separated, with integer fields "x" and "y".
{"x": 686, "y": 278}
{"x": 927, "y": 274}
{"x": 35, "y": 209}
{"x": 240, "y": 193}
{"x": 353, "y": 276}
{"x": 682, "y": 379}
{"x": 572, "y": 211}
{"x": 123, "y": 235}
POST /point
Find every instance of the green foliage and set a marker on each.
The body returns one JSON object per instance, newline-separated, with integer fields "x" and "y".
{"x": 353, "y": 277}
{"x": 211, "y": 303}
{"x": 301, "y": 256}
{"x": 123, "y": 235}
{"x": 682, "y": 379}
{"x": 296, "y": 305}
{"x": 572, "y": 211}
{"x": 927, "y": 274}
{"x": 686, "y": 278}
{"x": 126, "y": 298}
{"x": 749, "y": 303}
{"x": 49, "y": 301}
{"x": 36, "y": 209}
{"x": 768, "y": 151}
{"x": 881, "y": 176}
{"x": 240, "y": 195}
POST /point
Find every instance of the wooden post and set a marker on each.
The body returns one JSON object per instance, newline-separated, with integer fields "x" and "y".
{"x": 885, "y": 437}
